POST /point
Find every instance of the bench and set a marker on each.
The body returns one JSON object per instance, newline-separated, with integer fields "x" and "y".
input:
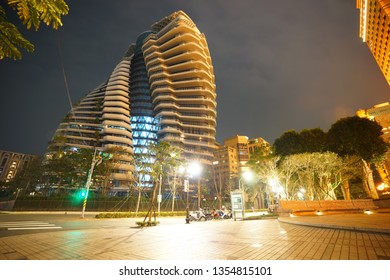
{"x": 312, "y": 207}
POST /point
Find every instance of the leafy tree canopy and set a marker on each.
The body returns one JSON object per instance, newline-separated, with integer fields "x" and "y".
{"x": 357, "y": 136}
{"x": 31, "y": 13}
{"x": 307, "y": 141}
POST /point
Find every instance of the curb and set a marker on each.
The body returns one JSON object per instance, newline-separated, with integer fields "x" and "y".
{"x": 352, "y": 228}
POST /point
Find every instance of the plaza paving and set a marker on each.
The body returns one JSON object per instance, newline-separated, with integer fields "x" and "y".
{"x": 332, "y": 237}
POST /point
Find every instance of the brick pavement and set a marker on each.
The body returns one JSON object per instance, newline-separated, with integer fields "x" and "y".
{"x": 268, "y": 239}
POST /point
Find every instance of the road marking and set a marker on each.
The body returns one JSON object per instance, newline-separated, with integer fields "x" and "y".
{"x": 27, "y": 225}
{"x": 41, "y": 227}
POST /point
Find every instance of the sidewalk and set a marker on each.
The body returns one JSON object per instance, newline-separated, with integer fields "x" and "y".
{"x": 332, "y": 237}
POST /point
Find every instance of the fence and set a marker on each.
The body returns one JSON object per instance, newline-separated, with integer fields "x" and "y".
{"x": 104, "y": 205}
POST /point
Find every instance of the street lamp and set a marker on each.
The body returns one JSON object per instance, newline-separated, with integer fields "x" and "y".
{"x": 277, "y": 189}
{"x": 238, "y": 198}
{"x": 247, "y": 176}
{"x": 193, "y": 169}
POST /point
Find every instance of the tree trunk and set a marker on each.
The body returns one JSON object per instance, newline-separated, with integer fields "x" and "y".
{"x": 346, "y": 190}
{"x": 382, "y": 170}
{"x": 370, "y": 180}
{"x": 152, "y": 201}
{"x": 138, "y": 201}
{"x": 173, "y": 197}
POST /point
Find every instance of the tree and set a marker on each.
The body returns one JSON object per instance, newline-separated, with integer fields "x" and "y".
{"x": 313, "y": 140}
{"x": 265, "y": 166}
{"x": 162, "y": 157}
{"x": 307, "y": 141}
{"x": 288, "y": 143}
{"x": 28, "y": 177}
{"x": 32, "y": 13}
{"x": 355, "y": 136}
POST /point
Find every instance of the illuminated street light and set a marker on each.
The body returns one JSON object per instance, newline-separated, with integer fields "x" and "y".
{"x": 247, "y": 176}
{"x": 193, "y": 169}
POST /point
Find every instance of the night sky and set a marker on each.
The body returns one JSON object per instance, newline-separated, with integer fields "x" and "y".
{"x": 278, "y": 65}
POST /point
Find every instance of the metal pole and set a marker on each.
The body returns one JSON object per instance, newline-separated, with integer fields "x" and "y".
{"x": 187, "y": 188}
{"x": 199, "y": 193}
{"x": 88, "y": 183}
{"x": 187, "y": 211}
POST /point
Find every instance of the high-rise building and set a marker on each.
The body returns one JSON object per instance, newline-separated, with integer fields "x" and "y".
{"x": 241, "y": 144}
{"x": 381, "y": 114}
{"x": 256, "y": 144}
{"x": 375, "y": 31}
{"x": 162, "y": 90}
{"x": 230, "y": 159}
{"x": 225, "y": 165}
{"x": 182, "y": 86}
{"x": 12, "y": 163}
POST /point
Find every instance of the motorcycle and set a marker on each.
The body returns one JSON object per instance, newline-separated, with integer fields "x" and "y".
{"x": 199, "y": 215}
{"x": 223, "y": 214}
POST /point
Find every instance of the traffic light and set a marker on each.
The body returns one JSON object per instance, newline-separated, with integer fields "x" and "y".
{"x": 82, "y": 193}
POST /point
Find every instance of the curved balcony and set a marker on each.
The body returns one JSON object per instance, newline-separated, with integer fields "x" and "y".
{"x": 113, "y": 117}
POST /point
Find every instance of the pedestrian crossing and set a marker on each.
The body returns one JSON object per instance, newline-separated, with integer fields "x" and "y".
{"x": 27, "y": 225}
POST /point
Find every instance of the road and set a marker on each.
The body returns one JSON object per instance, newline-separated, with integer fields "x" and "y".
{"x": 19, "y": 223}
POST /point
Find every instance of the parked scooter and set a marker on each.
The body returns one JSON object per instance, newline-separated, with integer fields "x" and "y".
{"x": 225, "y": 214}
{"x": 198, "y": 215}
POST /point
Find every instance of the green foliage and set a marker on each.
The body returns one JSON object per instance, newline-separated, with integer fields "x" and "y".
{"x": 306, "y": 141}
{"x": 69, "y": 168}
{"x": 134, "y": 214}
{"x": 27, "y": 177}
{"x": 288, "y": 143}
{"x": 355, "y": 136}
{"x": 11, "y": 39}
{"x": 31, "y": 13}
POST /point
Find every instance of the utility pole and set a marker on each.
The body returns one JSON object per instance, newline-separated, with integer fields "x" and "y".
{"x": 95, "y": 162}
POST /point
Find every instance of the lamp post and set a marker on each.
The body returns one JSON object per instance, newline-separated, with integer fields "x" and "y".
{"x": 193, "y": 169}
{"x": 238, "y": 198}
{"x": 277, "y": 189}
{"x": 247, "y": 176}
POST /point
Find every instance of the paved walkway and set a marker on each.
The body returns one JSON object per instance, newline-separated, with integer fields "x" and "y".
{"x": 333, "y": 237}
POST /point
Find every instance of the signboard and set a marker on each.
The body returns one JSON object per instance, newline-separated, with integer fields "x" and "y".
{"x": 238, "y": 205}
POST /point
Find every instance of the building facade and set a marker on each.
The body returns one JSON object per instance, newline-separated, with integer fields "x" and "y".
{"x": 12, "y": 163}
{"x": 162, "y": 90}
{"x": 225, "y": 165}
{"x": 381, "y": 114}
{"x": 182, "y": 86}
{"x": 230, "y": 159}
{"x": 375, "y": 31}
{"x": 240, "y": 143}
